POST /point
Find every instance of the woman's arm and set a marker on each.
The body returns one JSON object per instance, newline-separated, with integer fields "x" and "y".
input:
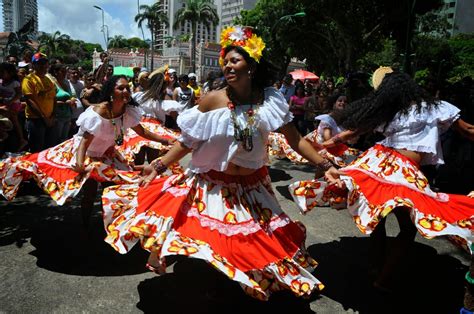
{"x": 464, "y": 128}
{"x": 300, "y": 145}
{"x": 140, "y": 130}
{"x": 15, "y": 97}
{"x": 344, "y": 136}
{"x": 81, "y": 152}
{"x": 175, "y": 94}
{"x": 157, "y": 166}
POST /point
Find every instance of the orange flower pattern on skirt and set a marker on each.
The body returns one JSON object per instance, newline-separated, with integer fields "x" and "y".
{"x": 52, "y": 170}
{"x": 187, "y": 208}
{"x": 278, "y": 147}
{"x": 132, "y": 142}
{"x": 394, "y": 171}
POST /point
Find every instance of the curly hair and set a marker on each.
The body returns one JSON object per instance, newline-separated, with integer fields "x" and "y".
{"x": 109, "y": 87}
{"x": 265, "y": 73}
{"x": 398, "y": 92}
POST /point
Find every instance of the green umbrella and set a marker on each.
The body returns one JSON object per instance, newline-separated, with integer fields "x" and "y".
{"x": 127, "y": 71}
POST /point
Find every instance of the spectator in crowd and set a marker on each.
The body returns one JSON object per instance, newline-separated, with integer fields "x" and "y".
{"x": 100, "y": 72}
{"x": 39, "y": 92}
{"x": 10, "y": 104}
{"x": 183, "y": 94}
{"x": 77, "y": 86}
{"x": 297, "y": 108}
{"x": 64, "y": 101}
{"x": 194, "y": 86}
{"x": 287, "y": 88}
{"x": 90, "y": 95}
{"x": 26, "y": 61}
{"x": 12, "y": 59}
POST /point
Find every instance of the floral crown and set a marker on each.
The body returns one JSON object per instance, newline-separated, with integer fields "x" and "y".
{"x": 242, "y": 36}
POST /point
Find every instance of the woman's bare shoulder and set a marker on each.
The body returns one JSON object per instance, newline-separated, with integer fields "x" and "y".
{"x": 213, "y": 100}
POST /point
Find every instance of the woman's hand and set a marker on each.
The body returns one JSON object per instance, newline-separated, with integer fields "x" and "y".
{"x": 471, "y": 194}
{"x": 148, "y": 174}
{"x": 333, "y": 176}
{"x": 79, "y": 168}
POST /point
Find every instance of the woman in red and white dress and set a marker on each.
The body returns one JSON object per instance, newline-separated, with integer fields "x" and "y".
{"x": 328, "y": 139}
{"x": 61, "y": 171}
{"x": 155, "y": 106}
{"x": 222, "y": 209}
{"x": 387, "y": 177}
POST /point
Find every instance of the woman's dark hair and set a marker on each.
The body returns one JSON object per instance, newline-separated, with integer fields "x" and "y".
{"x": 109, "y": 87}
{"x": 10, "y": 69}
{"x": 265, "y": 73}
{"x": 397, "y": 93}
{"x": 156, "y": 87}
{"x": 55, "y": 68}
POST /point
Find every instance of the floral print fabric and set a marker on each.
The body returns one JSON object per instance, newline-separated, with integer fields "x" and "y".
{"x": 232, "y": 222}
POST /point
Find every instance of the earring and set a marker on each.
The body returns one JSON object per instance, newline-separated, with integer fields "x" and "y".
{"x": 250, "y": 74}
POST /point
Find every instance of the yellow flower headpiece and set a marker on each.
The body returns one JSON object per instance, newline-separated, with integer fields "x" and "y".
{"x": 244, "y": 37}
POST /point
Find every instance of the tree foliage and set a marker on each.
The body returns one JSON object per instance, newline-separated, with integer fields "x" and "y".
{"x": 194, "y": 12}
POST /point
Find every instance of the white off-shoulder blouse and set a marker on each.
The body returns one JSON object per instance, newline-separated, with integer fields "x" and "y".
{"x": 211, "y": 134}
{"x": 419, "y": 131}
{"x": 103, "y": 130}
{"x": 155, "y": 108}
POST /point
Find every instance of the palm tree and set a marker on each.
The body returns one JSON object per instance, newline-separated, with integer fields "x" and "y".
{"x": 118, "y": 41}
{"x": 154, "y": 17}
{"x": 50, "y": 43}
{"x": 194, "y": 12}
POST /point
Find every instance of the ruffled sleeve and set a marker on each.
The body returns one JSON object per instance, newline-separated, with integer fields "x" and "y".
{"x": 275, "y": 112}
{"x": 197, "y": 126}
{"x": 89, "y": 121}
{"x": 133, "y": 115}
{"x": 447, "y": 115}
{"x": 171, "y": 105}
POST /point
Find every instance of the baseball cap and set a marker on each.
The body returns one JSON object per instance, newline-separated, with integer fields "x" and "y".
{"x": 192, "y": 75}
{"x": 39, "y": 57}
{"x": 171, "y": 71}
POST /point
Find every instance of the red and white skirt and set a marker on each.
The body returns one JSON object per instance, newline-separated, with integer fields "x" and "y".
{"x": 132, "y": 142}
{"x": 52, "y": 170}
{"x": 232, "y": 222}
{"x": 382, "y": 179}
{"x": 341, "y": 155}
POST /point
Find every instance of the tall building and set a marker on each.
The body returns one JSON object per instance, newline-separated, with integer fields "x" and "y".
{"x": 228, "y": 10}
{"x": 167, "y": 33}
{"x": 16, "y": 13}
{"x": 460, "y": 15}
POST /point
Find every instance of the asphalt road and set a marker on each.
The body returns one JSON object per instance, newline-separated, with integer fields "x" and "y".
{"x": 48, "y": 265}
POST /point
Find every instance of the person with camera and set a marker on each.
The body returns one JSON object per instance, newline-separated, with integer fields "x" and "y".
{"x": 39, "y": 92}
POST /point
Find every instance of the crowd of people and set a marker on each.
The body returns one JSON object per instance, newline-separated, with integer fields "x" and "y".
{"x": 79, "y": 129}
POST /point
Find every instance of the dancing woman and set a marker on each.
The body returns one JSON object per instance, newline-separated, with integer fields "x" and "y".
{"x": 155, "y": 108}
{"x": 328, "y": 139}
{"x": 387, "y": 177}
{"x": 62, "y": 170}
{"x": 222, "y": 209}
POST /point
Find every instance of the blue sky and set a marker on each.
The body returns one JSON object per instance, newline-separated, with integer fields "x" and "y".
{"x": 80, "y": 20}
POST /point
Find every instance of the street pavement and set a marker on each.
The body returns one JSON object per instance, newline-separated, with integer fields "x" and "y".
{"x": 48, "y": 265}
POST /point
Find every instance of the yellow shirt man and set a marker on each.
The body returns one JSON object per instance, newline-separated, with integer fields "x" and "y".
{"x": 42, "y": 91}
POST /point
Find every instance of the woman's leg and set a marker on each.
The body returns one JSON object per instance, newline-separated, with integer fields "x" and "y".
{"x": 399, "y": 248}
{"x": 87, "y": 203}
{"x": 22, "y": 142}
{"x": 377, "y": 249}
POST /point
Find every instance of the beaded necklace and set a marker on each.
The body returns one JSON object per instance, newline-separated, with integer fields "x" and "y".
{"x": 243, "y": 133}
{"x": 118, "y": 134}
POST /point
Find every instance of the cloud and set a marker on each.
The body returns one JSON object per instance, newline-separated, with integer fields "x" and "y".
{"x": 80, "y": 20}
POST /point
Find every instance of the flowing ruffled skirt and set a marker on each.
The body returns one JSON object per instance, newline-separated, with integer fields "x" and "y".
{"x": 133, "y": 142}
{"x": 382, "y": 179}
{"x": 52, "y": 170}
{"x": 341, "y": 155}
{"x": 232, "y": 222}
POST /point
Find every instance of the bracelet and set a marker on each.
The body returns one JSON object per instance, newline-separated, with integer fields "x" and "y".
{"x": 469, "y": 279}
{"x": 159, "y": 166}
{"x": 323, "y": 166}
